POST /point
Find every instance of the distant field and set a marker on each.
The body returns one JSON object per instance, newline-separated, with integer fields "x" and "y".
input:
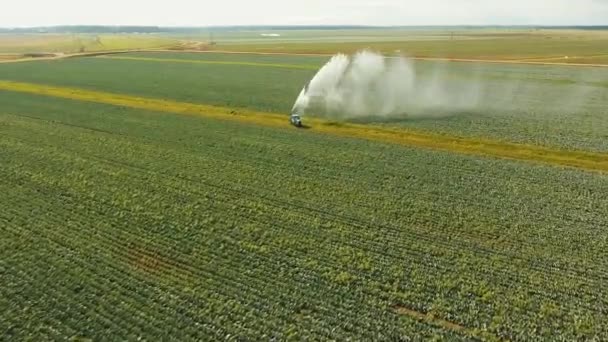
{"x": 579, "y": 46}
{"x": 164, "y": 196}
{"x": 491, "y": 49}
{"x": 583, "y": 46}
{"x": 37, "y": 43}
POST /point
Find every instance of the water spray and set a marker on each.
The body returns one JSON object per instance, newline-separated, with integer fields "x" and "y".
{"x": 370, "y": 84}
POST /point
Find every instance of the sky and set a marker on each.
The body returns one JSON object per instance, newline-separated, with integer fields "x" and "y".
{"x": 26, "y": 13}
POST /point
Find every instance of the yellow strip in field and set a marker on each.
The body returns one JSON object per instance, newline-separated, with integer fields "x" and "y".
{"x": 200, "y": 61}
{"x": 472, "y": 146}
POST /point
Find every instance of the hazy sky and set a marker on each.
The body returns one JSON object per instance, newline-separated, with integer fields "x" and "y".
{"x": 304, "y": 12}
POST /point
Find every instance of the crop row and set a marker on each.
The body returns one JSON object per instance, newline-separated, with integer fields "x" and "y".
{"x": 241, "y": 265}
{"x": 197, "y": 168}
{"x": 201, "y": 209}
{"x": 112, "y": 246}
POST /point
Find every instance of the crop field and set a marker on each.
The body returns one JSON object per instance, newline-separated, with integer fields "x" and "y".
{"x": 514, "y": 44}
{"x": 163, "y": 196}
{"x": 68, "y": 43}
{"x": 563, "y": 107}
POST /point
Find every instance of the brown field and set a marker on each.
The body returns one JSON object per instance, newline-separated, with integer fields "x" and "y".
{"x": 542, "y": 46}
{"x": 75, "y": 43}
{"x": 585, "y": 47}
{"x": 6, "y": 57}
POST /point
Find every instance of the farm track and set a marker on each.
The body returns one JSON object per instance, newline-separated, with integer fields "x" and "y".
{"x": 56, "y": 56}
{"x": 523, "y": 61}
{"x": 541, "y": 61}
{"x": 190, "y": 61}
{"x": 593, "y": 161}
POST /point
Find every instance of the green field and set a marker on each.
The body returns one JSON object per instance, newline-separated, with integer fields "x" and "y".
{"x": 120, "y": 223}
{"x": 546, "y": 105}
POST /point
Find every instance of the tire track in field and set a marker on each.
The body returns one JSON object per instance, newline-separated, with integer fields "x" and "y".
{"x": 593, "y": 161}
{"x": 200, "y": 61}
{"x": 420, "y": 58}
{"x": 538, "y": 61}
{"x": 528, "y": 61}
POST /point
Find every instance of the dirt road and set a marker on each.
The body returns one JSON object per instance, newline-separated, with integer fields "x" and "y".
{"x": 535, "y": 61}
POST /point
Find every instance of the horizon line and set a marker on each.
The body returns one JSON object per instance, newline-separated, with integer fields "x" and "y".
{"x": 300, "y": 26}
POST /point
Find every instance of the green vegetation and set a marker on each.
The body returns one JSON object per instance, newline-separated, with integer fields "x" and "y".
{"x": 268, "y": 89}
{"x": 546, "y": 105}
{"x": 132, "y": 224}
{"x": 583, "y": 160}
